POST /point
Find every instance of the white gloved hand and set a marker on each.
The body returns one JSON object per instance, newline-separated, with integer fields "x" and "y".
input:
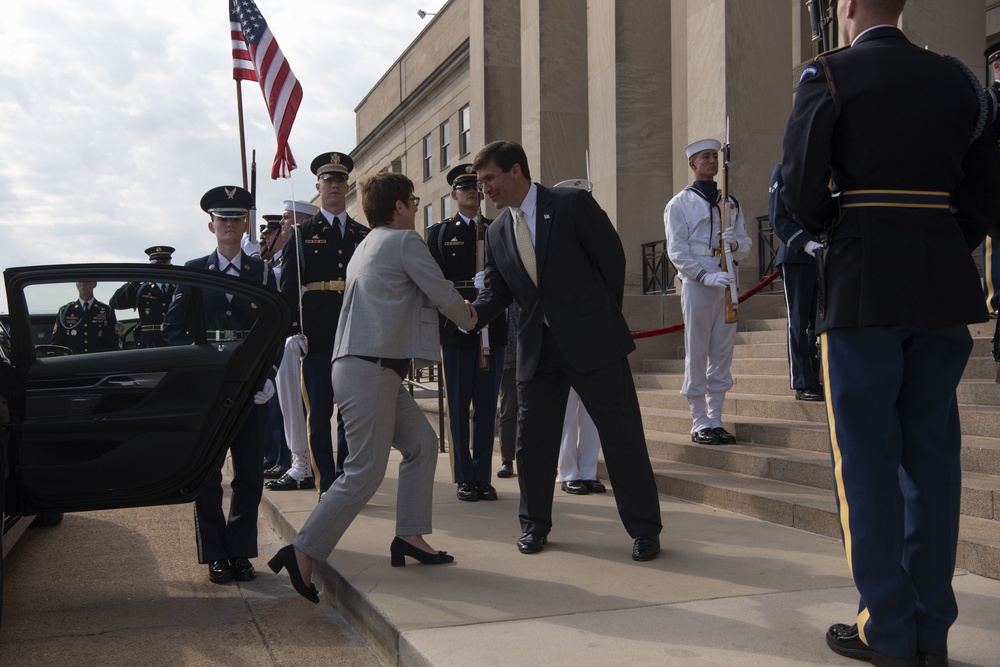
{"x": 297, "y": 344}
{"x": 480, "y": 280}
{"x": 729, "y": 236}
{"x": 265, "y": 394}
{"x": 811, "y": 247}
{"x": 719, "y": 279}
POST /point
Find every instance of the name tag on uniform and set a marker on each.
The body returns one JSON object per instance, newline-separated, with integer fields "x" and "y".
{"x": 315, "y": 240}
{"x": 454, "y": 241}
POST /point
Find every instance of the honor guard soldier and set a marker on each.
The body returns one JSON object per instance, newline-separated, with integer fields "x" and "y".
{"x": 694, "y": 245}
{"x": 991, "y": 251}
{"x": 891, "y": 211}
{"x": 86, "y": 325}
{"x": 227, "y": 545}
{"x": 150, "y": 300}
{"x": 472, "y": 362}
{"x": 314, "y": 273}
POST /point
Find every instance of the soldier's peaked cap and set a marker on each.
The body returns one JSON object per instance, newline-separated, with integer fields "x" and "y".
{"x": 332, "y": 163}
{"x": 462, "y": 176}
{"x": 992, "y": 52}
{"x": 227, "y": 201}
{"x": 159, "y": 252}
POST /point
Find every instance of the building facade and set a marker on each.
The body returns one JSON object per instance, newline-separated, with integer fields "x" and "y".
{"x": 616, "y": 89}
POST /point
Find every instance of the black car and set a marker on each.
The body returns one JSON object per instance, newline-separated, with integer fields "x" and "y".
{"x": 128, "y": 427}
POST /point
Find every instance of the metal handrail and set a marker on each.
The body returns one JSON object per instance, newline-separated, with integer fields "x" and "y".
{"x": 658, "y": 272}
{"x": 415, "y": 377}
{"x": 767, "y": 250}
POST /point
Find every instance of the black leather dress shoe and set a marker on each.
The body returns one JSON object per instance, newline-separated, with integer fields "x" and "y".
{"x": 931, "y": 660}
{"x": 646, "y": 547}
{"x": 506, "y": 470}
{"x": 725, "y": 437}
{"x": 219, "y": 572}
{"x": 467, "y": 491}
{"x": 845, "y": 640}
{"x": 575, "y": 487}
{"x": 531, "y": 543}
{"x": 705, "y": 436}
{"x": 269, "y": 463}
{"x": 289, "y": 483}
{"x": 242, "y": 569}
{"x": 810, "y": 394}
{"x": 485, "y": 491}
{"x": 275, "y": 471}
{"x": 594, "y": 486}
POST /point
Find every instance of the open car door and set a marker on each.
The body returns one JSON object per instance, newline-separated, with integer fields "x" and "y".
{"x": 127, "y": 427}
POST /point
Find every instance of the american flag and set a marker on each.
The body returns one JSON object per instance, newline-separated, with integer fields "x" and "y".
{"x": 257, "y": 57}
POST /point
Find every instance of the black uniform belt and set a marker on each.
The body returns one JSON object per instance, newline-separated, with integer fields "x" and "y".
{"x": 151, "y": 327}
{"x": 218, "y": 336}
{"x": 894, "y": 198}
{"x": 459, "y": 284}
{"x": 326, "y": 286}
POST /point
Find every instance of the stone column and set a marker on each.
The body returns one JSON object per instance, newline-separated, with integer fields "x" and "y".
{"x": 629, "y": 66}
{"x": 554, "y": 88}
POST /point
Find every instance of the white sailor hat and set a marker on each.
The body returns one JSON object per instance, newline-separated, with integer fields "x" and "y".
{"x": 702, "y": 145}
{"x": 578, "y": 183}
{"x": 300, "y": 206}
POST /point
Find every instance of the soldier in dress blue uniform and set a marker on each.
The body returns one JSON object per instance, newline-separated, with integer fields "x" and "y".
{"x": 797, "y": 260}
{"x": 473, "y": 363}
{"x": 150, "y": 300}
{"x": 991, "y": 251}
{"x": 315, "y": 266}
{"x": 86, "y": 325}
{"x": 227, "y": 545}
{"x": 893, "y": 326}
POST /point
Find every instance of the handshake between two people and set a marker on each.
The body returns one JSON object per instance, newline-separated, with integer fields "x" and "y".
{"x": 473, "y": 314}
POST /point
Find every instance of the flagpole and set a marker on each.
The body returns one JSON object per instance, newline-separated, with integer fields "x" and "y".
{"x": 243, "y": 143}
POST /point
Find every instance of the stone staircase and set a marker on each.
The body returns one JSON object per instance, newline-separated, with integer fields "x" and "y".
{"x": 780, "y": 471}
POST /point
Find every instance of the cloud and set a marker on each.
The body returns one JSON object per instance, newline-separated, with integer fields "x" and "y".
{"x": 119, "y": 115}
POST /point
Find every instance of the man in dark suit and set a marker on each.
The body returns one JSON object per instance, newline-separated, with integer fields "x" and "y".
{"x": 556, "y": 253}
{"x": 315, "y": 265}
{"x": 150, "y": 300}
{"x": 227, "y": 545}
{"x": 472, "y": 362}
{"x": 797, "y": 260}
{"x": 893, "y": 326}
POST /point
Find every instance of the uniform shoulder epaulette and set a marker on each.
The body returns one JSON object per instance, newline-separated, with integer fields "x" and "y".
{"x": 814, "y": 66}
{"x": 826, "y": 53}
{"x": 441, "y": 222}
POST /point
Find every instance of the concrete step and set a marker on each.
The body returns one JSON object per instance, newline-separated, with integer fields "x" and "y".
{"x": 744, "y": 405}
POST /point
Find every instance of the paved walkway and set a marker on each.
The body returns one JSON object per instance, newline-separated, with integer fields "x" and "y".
{"x": 726, "y": 590}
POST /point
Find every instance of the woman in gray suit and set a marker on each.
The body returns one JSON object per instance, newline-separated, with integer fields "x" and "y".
{"x": 390, "y": 315}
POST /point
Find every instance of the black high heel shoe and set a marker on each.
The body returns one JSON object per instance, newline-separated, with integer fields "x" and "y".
{"x": 400, "y": 548}
{"x": 285, "y": 558}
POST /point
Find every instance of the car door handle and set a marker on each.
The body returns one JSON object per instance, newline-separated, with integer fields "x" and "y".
{"x": 122, "y": 382}
{"x": 144, "y": 380}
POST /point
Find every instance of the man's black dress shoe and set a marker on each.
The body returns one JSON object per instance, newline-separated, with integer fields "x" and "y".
{"x": 400, "y": 548}
{"x": 468, "y": 491}
{"x": 285, "y": 558}
{"x": 531, "y": 543}
{"x": 506, "y": 470}
{"x": 275, "y": 471}
{"x": 705, "y": 436}
{"x": 844, "y": 639}
{"x": 219, "y": 572}
{"x": 269, "y": 463}
{"x": 931, "y": 660}
{"x": 576, "y": 487}
{"x": 725, "y": 437}
{"x": 646, "y": 547}
{"x": 810, "y": 394}
{"x": 242, "y": 569}
{"x": 289, "y": 483}
{"x": 485, "y": 491}
{"x": 594, "y": 486}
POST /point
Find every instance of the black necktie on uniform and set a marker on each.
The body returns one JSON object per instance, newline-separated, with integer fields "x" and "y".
{"x": 336, "y": 234}
{"x": 86, "y": 306}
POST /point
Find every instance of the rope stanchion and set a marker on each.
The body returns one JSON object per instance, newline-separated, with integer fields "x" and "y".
{"x": 650, "y": 333}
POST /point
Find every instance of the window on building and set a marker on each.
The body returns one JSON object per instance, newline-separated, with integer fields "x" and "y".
{"x": 428, "y": 215}
{"x": 445, "y": 144}
{"x": 445, "y": 207}
{"x": 464, "y": 131}
{"x": 428, "y": 164}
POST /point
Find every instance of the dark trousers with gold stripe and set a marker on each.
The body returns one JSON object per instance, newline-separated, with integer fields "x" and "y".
{"x": 896, "y": 445}
{"x": 991, "y": 274}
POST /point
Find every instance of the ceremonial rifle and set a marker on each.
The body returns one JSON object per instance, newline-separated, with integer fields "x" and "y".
{"x": 252, "y": 218}
{"x": 725, "y": 206}
{"x": 484, "y": 334}
{"x": 819, "y": 17}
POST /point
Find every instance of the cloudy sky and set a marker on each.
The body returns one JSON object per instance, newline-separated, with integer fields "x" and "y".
{"x": 116, "y": 116}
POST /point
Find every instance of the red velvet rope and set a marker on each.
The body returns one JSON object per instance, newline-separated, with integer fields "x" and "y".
{"x": 678, "y": 327}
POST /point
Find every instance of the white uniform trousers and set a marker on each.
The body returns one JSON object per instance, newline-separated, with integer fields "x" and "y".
{"x": 580, "y": 442}
{"x": 708, "y": 342}
{"x": 288, "y": 384}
